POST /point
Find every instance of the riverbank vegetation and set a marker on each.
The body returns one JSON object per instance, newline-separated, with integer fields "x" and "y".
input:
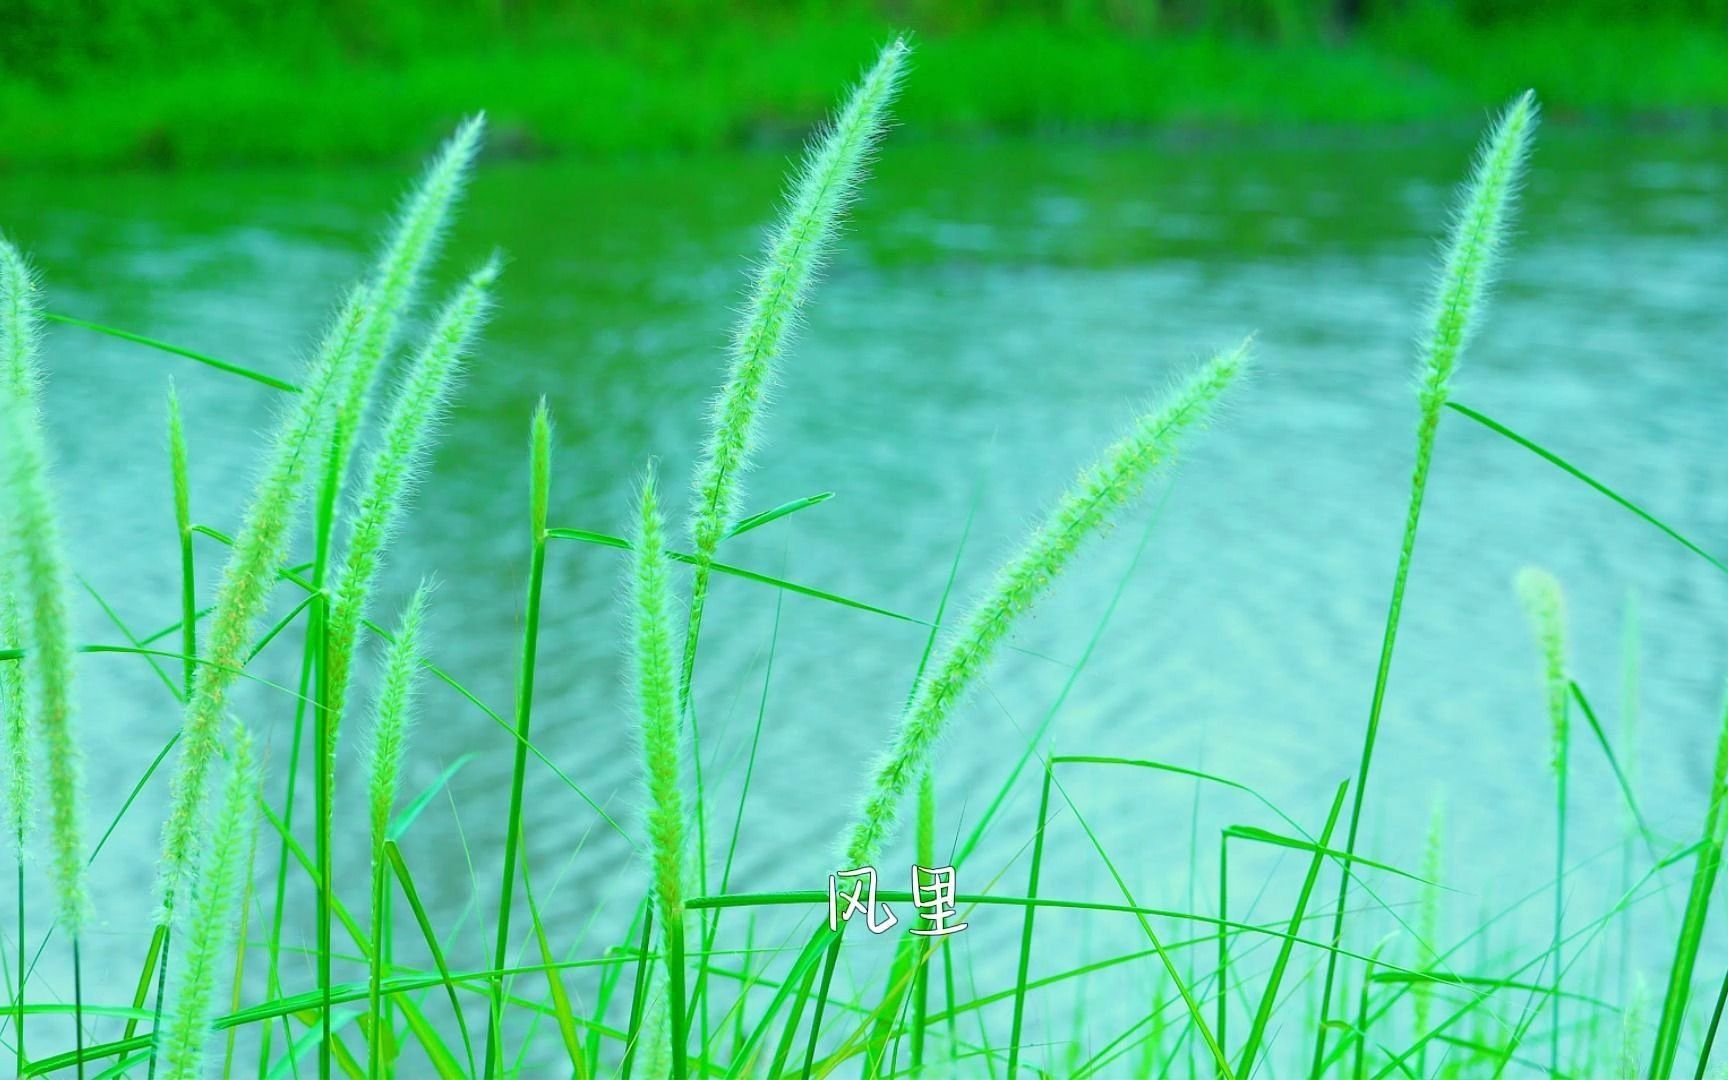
{"x": 168, "y": 83}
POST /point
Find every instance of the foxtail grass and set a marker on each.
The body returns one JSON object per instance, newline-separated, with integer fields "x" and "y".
{"x": 825, "y": 184}
{"x": 1472, "y": 251}
{"x": 34, "y": 542}
{"x": 1693, "y": 923}
{"x": 412, "y": 246}
{"x": 1543, "y": 603}
{"x": 209, "y": 934}
{"x": 395, "y": 471}
{"x": 247, "y": 579}
{"x": 1101, "y": 491}
{"x": 662, "y": 746}
{"x": 392, "y": 717}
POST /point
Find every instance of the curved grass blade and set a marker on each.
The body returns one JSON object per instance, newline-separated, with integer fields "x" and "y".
{"x": 1567, "y": 467}
{"x": 139, "y": 339}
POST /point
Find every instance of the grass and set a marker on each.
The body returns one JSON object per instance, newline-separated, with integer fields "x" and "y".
{"x": 682, "y": 81}
{"x": 1271, "y": 975}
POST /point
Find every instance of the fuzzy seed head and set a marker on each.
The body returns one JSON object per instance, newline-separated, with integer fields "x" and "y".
{"x": 1473, "y": 248}
{"x": 1102, "y": 490}
{"x": 32, "y": 542}
{"x": 411, "y": 247}
{"x": 208, "y": 936}
{"x": 14, "y": 725}
{"x": 662, "y": 740}
{"x": 824, "y": 185}
{"x": 247, "y": 578}
{"x": 393, "y": 715}
{"x": 416, "y": 411}
{"x": 1543, "y": 603}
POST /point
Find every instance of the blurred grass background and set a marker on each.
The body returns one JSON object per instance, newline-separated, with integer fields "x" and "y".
{"x": 103, "y": 83}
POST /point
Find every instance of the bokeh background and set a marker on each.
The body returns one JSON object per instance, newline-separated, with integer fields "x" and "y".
{"x": 1079, "y": 199}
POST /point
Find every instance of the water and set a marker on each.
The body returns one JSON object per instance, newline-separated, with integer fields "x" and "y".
{"x": 996, "y": 313}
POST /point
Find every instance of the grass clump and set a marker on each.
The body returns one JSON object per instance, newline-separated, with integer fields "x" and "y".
{"x": 651, "y": 1006}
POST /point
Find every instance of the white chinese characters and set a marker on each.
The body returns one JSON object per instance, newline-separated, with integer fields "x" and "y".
{"x": 933, "y": 894}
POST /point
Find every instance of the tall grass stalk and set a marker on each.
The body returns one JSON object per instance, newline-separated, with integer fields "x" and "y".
{"x": 1102, "y": 490}
{"x": 662, "y": 747}
{"x": 35, "y": 543}
{"x": 247, "y": 578}
{"x": 539, "y": 496}
{"x": 1472, "y": 250}
{"x": 392, "y": 716}
{"x": 1674, "y": 999}
{"x": 1540, "y": 593}
{"x": 209, "y": 932}
{"x": 826, "y": 182}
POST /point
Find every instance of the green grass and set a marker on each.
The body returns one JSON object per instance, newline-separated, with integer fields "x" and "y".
{"x": 693, "y": 82}
{"x": 691, "y": 987}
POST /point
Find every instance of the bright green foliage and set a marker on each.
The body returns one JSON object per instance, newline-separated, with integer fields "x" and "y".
{"x": 209, "y": 933}
{"x": 826, "y": 181}
{"x": 1102, "y": 490}
{"x": 33, "y": 540}
{"x": 247, "y": 578}
{"x": 662, "y": 740}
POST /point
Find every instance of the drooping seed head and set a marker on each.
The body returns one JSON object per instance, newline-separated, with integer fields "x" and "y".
{"x": 1100, "y": 492}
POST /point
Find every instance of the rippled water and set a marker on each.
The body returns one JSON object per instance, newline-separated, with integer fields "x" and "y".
{"x": 997, "y": 312}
